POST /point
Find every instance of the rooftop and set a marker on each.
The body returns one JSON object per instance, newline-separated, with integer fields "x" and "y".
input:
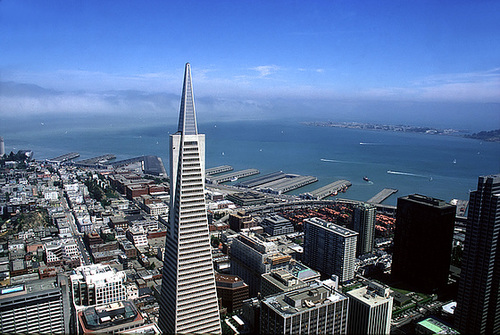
{"x": 104, "y": 317}
{"x": 332, "y": 227}
{"x": 298, "y": 301}
{"x": 370, "y": 295}
{"x": 437, "y": 327}
{"x": 34, "y": 286}
{"x": 427, "y": 200}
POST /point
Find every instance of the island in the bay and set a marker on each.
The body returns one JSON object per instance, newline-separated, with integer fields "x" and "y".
{"x": 490, "y": 136}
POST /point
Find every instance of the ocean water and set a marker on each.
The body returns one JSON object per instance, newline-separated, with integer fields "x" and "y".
{"x": 443, "y": 167}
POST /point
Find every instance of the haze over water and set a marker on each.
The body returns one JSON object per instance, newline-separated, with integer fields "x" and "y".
{"x": 444, "y": 167}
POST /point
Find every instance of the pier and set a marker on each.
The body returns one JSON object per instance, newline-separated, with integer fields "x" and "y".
{"x": 97, "y": 160}
{"x": 65, "y": 158}
{"x": 382, "y": 195}
{"x": 262, "y": 179}
{"x": 327, "y": 190}
{"x": 218, "y": 169}
{"x": 126, "y": 162}
{"x": 232, "y": 176}
{"x": 283, "y": 185}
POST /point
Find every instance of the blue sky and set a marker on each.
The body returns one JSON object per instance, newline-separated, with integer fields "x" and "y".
{"x": 247, "y": 56}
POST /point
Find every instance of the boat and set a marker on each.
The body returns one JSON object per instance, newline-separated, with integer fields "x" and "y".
{"x": 234, "y": 179}
{"x": 365, "y": 178}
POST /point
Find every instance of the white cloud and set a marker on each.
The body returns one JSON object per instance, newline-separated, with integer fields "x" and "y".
{"x": 266, "y": 70}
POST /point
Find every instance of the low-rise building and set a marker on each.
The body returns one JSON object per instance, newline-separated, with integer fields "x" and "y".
{"x": 97, "y": 284}
{"x": 138, "y": 236}
{"x": 276, "y": 225}
{"x": 109, "y": 318}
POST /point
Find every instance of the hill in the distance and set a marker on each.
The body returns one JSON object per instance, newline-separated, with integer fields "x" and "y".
{"x": 490, "y": 136}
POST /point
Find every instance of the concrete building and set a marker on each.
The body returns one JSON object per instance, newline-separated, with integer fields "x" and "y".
{"x": 138, "y": 236}
{"x": 33, "y": 307}
{"x": 277, "y": 225}
{"x": 364, "y": 224}
{"x": 251, "y": 256}
{"x": 188, "y": 302}
{"x": 240, "y": 220}
{"x": 156, "y": 209}
{"x": 478, "y": 300}
{"x": 97, "y": 284}
{"x": 247, "y": 198}
{"x": 370, "y": 310}
{"x": 279, "y": 281}
{"x": 232, "y": 290}
{"x": 422, "y": 242}
{"x": 329, "y": 248}
{"x": 317, "y": 309}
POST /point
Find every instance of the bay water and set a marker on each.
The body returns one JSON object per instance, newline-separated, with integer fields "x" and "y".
{"x": 439, "y": 166}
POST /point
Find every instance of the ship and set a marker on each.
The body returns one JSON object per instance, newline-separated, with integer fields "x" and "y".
{"x": 365, "y": 178}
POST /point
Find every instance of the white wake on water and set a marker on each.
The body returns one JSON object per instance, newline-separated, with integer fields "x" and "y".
{"x": 408, "y": 174}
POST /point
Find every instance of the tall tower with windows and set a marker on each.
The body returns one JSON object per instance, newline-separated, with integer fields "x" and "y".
{"x": 188, "y": 302}
{"x": 478, "y": 300}
{"x": 422, "y": 242}
{"x": 364, "y": 224}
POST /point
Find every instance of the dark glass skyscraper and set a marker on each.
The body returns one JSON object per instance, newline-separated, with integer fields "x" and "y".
{"x": 422, "y": 242}
{"x": 188, "y": 302}
{"x": 478, "y": 301}
{"x": 364, "y": 224}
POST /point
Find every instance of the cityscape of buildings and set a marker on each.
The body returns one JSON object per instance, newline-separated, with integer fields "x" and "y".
{"x": 125, "y": 248}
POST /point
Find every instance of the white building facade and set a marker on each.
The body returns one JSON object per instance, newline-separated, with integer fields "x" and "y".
{"x": 188, "y": 302}
{"x": 98, "y": 284}
{"x": 330, "y": 248}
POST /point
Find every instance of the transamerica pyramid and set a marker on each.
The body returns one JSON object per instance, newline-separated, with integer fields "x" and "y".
{"x": 188, "y": 302}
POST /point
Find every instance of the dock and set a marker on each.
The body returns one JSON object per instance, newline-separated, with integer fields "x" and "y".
{"x": 231, "y": 176}
{"x": 218, "y": 169}
{"x": 327, "y": 190}
{"x": 65, "y": 158}
{"x": 97, "y": 160}
{"x": 382, "y": 195}
{"x": 290, "y": 183}
{"x": 262, "y": 179}
{"x": 126, "y": 162}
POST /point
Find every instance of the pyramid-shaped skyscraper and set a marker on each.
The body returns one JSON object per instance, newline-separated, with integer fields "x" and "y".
{"x": 188, "y": 302}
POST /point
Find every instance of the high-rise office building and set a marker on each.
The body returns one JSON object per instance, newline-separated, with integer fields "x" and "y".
{"x": 317, "y": 309}
{"x": 478, "y": 300}
{"x": 364, "y": 224}
{"x": 232, "y": 290}
{"x": 32, "y": 307}
{"x": 329, "y": 248}
{"x": 422, "y": 242}
{"x": 188, "y": 302}
{"x": 370, "y": 310}
{"x": 251, "y": 256}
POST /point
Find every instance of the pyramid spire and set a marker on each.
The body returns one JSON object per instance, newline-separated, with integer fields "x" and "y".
{"x": 187, "y": 115}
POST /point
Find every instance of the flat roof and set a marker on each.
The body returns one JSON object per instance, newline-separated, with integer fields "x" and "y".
{"x": 298, "y": 301}
{"x": 368, "y": 297}
{"x": 437, "y": 327}
{"x": 332, "y": 227}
